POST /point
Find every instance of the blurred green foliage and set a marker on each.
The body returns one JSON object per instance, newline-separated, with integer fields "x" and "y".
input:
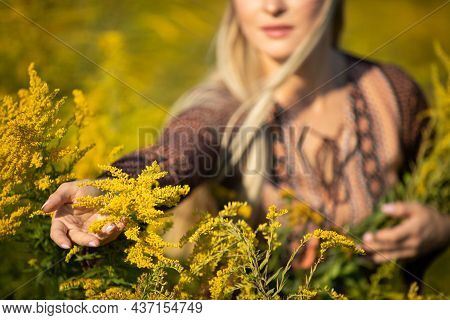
{"x": 134, "y": 58}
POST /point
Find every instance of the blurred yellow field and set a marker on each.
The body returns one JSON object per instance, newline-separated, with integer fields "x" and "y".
{"x": 122, "y": 65}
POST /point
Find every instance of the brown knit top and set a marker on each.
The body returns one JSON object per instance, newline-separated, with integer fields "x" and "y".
{"x": 382, "y": 141}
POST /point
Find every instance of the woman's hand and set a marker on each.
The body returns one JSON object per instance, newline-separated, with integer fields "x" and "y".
{"x": 70, "y": 225}
{"x": 422, "y": 230}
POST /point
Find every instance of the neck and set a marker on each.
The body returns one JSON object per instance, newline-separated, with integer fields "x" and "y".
{"x": 312, "y": 78}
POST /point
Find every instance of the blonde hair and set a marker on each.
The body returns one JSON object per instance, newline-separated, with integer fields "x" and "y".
{"x": 239, "y": 70}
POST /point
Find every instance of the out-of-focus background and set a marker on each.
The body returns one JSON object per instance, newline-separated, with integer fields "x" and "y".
{"x": 134, "y": 58}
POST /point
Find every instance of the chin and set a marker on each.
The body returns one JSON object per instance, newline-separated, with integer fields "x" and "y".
{"x": 279, "y": 55}
{"x": 279, "y": 52}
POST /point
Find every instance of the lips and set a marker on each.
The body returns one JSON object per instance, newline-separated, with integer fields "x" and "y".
{"x": 277, "y": 31}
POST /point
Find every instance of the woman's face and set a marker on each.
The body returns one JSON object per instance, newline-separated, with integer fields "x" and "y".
{"x": 276, "y": 27}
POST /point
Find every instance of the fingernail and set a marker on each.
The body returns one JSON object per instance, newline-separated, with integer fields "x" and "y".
{"x": 368, "y": 237}
{"x": 42, "y": 208}
{"x": 109, "y": 228}
{"x": 65, "y": 246}
{"x": 92, "y": 244}
{"x": 388, "y": 208}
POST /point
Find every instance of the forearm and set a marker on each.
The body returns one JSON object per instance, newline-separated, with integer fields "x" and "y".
{"x": 184, "y": 164}
{"x": 189, "y": 149}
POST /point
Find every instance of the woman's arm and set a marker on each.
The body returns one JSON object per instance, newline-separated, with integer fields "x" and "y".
{"x": 189, "y": 148}
{"x": 411, "y": 103}
{"x": 423, "y": 229}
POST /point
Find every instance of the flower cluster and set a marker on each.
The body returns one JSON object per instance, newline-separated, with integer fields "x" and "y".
{"x": 331, "y": 239}
{"x": 137, "y": 202}
{"x": 149, "y": 286}
{"x": 33, "y": 158}
{"x": 224, "y": 249}
{"x": 229, "y": 259}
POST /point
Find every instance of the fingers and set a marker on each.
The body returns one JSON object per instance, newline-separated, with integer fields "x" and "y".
{"x": 121, "y": 225}
{"x": 382, "y": 257}
{"x": 68, "y": 228}
{"x": 64, "y": 237}
{"x": 386, "y": 239}
{"x": 64, "y": 194}
{"x": 398, "y": 209}
{"x": 371, "y": 247}
{"x": 110, "y": 232}
{"x": 109, "y": 228}
{"x": 58, "y": 233}
{"x": 395, "y": 234}
{"x": 391, "y": 243}
{"x": 83, "y": 238}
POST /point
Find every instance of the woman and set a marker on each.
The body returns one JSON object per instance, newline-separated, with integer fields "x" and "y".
{"x": 286, "y": 109}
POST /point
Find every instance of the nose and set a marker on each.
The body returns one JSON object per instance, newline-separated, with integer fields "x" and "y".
{"x": 274, "y": 7}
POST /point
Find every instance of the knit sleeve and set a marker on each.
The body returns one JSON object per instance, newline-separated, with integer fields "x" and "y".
{"x": 189, "y": 147}
{"x": 412, "y": 104}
